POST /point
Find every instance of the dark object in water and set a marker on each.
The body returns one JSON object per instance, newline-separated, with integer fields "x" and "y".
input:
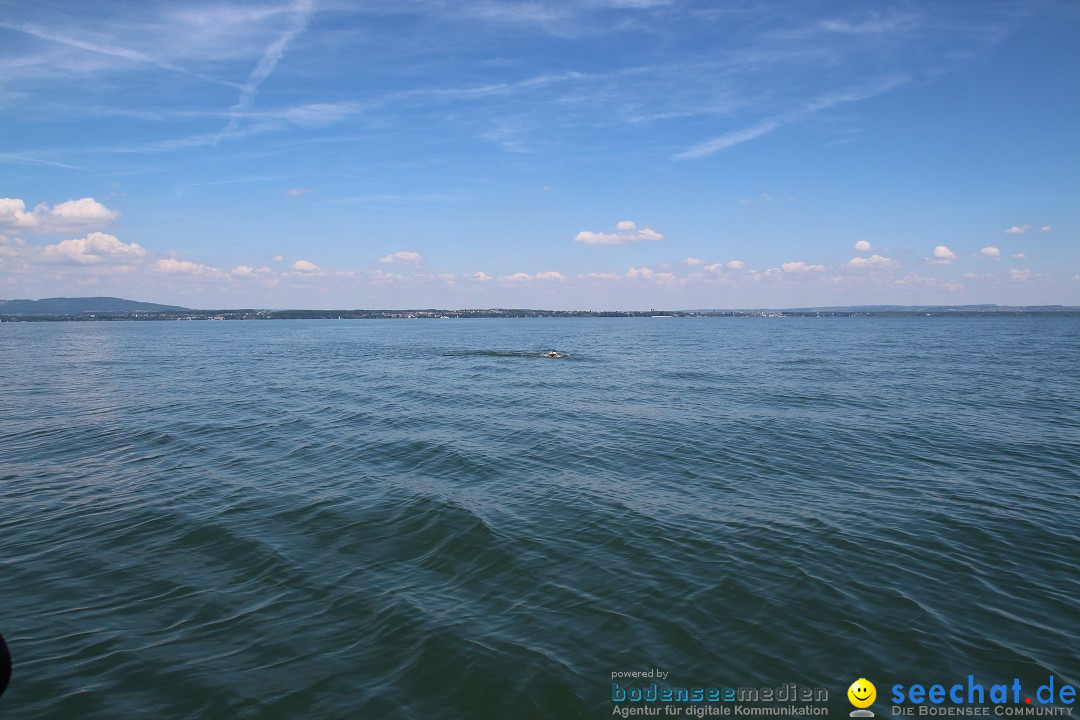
{"x": 5, "y": 665}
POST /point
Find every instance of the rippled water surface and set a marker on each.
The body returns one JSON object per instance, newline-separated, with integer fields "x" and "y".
{"x": 425, "y": 519}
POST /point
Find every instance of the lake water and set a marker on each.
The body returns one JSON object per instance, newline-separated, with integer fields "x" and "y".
{"x": 427, "y": 519}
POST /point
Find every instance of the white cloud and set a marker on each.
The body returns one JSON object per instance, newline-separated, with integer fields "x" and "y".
{"x": 73, "y": 215}
{"x": 765, "y": 198}
{"x": 480, "y": 276}
{"x": 247, "y": 271}
{"x": 1020, "y": 275}
{"x": 862, "y": 246}
{"x": 403, "y": 256}
{"x": 799, "y": 266}
{"x": 693, "y": 261}
{"x": 1017, "y": 229}
{"x": 990, "y": 251}
{"x": 93, "y": 249}
{"x": 11, "y": 247}
{"x": 874, "y": 261}
{"x": 626, "y": 232}
{"x": 381, "y": 276}
{"x": 184, "y": 267}
{"x": 1019, "y": 256}
{"x": 526, "y": 277}
{"x": 730, "y": 265}
{"x": 770, "y": 274}
{"x": 942, "y": 256}
{"x": 914, "y": 280}
{"x": 1046, "y": 228}
{"x": 278, "y": 259}
{"x": 297, "y": 192}
{"x": 646, "y": 273}
{"x": 638, "y": 4}
{"x": 84, "y": 210}
{"x": 305, "y": 266}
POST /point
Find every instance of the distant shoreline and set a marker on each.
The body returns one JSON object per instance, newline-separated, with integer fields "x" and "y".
{"x": 247, "y": 314}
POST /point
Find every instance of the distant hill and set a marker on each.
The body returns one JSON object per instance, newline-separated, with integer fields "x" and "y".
{"x": 943, "y": 308}
{"x": 81, "y": 306}
{"x": 914, "y": 309}
{"x": 111, "y": 308}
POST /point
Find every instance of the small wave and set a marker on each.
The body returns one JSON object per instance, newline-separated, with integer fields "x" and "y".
{"x": 399, "y": 521}
{"x": 509, "y": 354}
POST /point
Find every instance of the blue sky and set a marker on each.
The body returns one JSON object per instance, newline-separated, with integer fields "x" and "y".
{"x": 578, "y": 154}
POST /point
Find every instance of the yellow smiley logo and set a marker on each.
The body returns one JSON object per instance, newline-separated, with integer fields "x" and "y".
{"x": 862, "y": 693}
